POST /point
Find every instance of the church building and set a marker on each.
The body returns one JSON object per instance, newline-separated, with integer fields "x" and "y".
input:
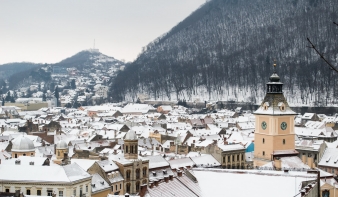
{"x": 274, "y": 129}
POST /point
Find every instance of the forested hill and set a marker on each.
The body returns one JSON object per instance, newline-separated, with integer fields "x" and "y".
{"x": 7, "y": 70}
{"x": 225, "y": 51}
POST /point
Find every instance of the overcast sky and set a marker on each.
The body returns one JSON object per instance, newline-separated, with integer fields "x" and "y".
{"x": 44, "y": 31}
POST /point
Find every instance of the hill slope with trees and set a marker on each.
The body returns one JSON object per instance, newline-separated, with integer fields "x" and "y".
{"x": 225, "y": 51}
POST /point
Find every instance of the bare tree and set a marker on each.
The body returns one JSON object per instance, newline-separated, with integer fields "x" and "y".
{"x": 321, "y": 55}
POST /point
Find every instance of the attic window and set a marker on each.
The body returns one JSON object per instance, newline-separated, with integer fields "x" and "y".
{"x": 281, "y": 106}
{"x": 266, "y": 105}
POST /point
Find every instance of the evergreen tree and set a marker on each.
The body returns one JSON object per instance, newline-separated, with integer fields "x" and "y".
{"x": 44, "y": 98}
{"x": 72, "y": 84}
{"x": 57, "y": 95}
{"x": 8, "y": 97}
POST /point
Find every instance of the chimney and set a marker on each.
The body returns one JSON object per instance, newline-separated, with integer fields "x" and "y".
{"x": 307, "y": 189}
{"x": 166, "y": 179}
{"x": 156, "y": 183}
{"x": 302, "y": 193}
{"x": 17, "y": 162}
{"x": 31, "y": 163}
{"x": 143, "y": 190}
{"x": 151, "y": 184}
{"x": 171, "y": 177}
{"x": 179, "y": 173}
{"x": 278, "y": 164}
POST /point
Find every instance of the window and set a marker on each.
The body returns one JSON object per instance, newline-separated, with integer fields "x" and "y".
{"x": 223, "y": 159}
{"x": 24, "y": 154}
{"x": 74, "y": 192}
{"x": 120, "y": 186}
{"x": 144, "y": 172}
{"x": 128, "y": 187}
{"x": 128, "y": 174}
{"x": 233, "y": 157}
{"x": 126, "y": 149}
{"x": 242, "y": 157}
{"x": 326, "y": 193}
{"x": 60, "y": 193}
{"x": 228, "y": 158}
{"x": 7, "y": 190}
{"x": 49, "y": 192}
{"x": 116, "y": 187}
{"x": 263, "y": 140}
{"x": 138, "y": 173}
{"x": 263, "y": 153}
{"x": 38, "y": 192}
{"x": 136, "y": 149}
{"x": 283, "y": 141}
{"x": 86, "y": 188}
{"x": 81, "y": 191}
{"x": 137, "y": 186}
{"x": 28, "y": 192}
{"x": 132, "y": 149}
{"x": 16, "y": 155}
{"x": 237, "y": 157}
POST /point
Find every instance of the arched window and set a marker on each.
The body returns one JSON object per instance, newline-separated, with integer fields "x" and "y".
{"x": 128, "y": 187}
{"x": 144, "y": 171}
{"x": 263, "y": 153}
{"x": 137, "y": 173}
{"x": 283, "y": 141}
{"x": 137, "y": 186}
{"x": 131, "y": 149}
{"x": 263, "y": 140}
{"x": 128, "y": 174}
{"x": 126, "y": 149}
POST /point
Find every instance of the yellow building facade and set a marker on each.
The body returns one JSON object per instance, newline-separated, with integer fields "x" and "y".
{"x": 274, "y": 129}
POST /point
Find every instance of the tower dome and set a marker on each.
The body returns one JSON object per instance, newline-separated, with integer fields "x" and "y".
{"x": 131, "y": 135}
{"x": 274, "y": 77}
{"x": 22, "y": 144}
{"x": 62, "y": 145}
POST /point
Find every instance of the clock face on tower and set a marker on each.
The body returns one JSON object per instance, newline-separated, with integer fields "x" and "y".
{"x": 264, "y": 125}
{"x": 283, "y": 125}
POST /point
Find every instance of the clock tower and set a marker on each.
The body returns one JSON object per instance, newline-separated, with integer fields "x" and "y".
{"x": 274, "y": 131}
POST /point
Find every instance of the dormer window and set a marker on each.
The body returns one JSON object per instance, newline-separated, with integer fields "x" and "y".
{"x": 281, "y": 106}
{"x": 266, "y": 106}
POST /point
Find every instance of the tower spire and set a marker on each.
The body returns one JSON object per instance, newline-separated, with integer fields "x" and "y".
{"x": 274, "y": 66}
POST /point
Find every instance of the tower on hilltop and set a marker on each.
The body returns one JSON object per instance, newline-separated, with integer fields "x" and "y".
{"x": 274, "y": 132}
